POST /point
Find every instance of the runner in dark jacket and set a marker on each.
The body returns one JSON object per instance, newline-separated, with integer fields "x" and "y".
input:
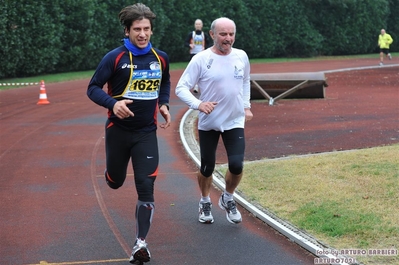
{"x": 138, "y": 84}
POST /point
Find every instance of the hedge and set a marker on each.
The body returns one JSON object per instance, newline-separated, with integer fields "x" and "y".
{"x": 52, "y": 36}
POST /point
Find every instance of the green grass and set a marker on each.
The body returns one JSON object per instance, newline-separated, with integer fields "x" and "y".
{"x": 335, "y": 220}
{"x": 63, "y": 77}
{"x": 51, "y": 78}
{"x": 360, "y": 56}
{"x": 348, "y": 200}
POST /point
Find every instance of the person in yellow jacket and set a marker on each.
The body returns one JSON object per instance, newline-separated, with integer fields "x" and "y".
{"x": 384, "y": 40}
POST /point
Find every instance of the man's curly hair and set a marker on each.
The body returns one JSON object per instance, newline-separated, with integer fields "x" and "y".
{"x": 135, "y": 12}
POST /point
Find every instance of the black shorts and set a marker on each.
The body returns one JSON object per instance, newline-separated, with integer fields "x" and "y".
{"x": 234, "y": 143}
{"x": 384, "y": 51}
{"x": 192, "y": 55}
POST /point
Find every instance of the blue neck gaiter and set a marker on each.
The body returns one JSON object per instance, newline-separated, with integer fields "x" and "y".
{"x": 136, "y": 51}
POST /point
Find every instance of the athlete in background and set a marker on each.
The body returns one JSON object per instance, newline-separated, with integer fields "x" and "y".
{"x": 197, "y": 41}
{"x": 384, "y": 40}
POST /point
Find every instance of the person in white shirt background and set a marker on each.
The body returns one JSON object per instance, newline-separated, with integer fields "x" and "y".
{"x": 223, "y": 74}
{"x": 197, "y": 41}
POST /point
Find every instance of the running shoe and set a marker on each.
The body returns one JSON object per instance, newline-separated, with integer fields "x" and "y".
{"x": 205, "y": 214}
{"x": 232, "y": 214}
{"x": 381, "y": 64}
{"x": 390, "y": 56}
{"x": 140, "y": 252}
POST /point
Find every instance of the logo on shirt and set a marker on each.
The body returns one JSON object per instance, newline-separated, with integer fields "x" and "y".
{"x": 238, "y": 73}
{"x": 209, "y": 64}
{"x": 155, "y": 66}
{"x": 125, "y": 65}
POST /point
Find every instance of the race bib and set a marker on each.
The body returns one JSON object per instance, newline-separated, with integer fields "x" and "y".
{"x": 144, "y": 84}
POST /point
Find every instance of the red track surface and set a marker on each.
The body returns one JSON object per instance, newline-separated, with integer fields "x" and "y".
{"x": 56, "y": 208}
{"x": 360, "y": 109}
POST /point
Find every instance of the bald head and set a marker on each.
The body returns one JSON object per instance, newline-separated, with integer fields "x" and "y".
{"x": 198, "y": 24}
{"x": 222, "y": 22}
{"x": 382, "y": 31}
{"x": 223, "y": 33}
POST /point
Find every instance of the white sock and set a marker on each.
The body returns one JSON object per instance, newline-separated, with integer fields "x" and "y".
{"x": 227, "y": 196}
{"x": 205, "y": 199}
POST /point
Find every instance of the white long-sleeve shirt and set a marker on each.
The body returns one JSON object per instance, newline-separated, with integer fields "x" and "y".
{"x": 224, "y": 79}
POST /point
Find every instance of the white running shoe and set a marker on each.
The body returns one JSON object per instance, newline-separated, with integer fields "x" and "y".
{"x": 232, "y": 213}
{"x": 140, "y": 252}
{"x": 205, "y": 214}
{"x": 381, "y": 64}
{"x": 390, "y": 56}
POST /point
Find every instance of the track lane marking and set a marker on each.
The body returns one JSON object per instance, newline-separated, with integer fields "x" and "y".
{"x": 101, "y": 202}
{"x": 43, "y": 262}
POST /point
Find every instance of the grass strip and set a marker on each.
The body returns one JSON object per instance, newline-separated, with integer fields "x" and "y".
{"x": 346, "y": 199}
{"x": 64, "y": 77}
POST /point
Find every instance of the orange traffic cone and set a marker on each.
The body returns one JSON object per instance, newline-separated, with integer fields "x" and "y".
{"x": 43, "y": 96}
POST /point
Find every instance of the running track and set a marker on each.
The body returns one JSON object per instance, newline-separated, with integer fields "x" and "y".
{"x": 56, "y": 208}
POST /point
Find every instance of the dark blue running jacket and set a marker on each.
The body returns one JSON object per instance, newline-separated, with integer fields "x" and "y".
{"x": 114, "y": 70}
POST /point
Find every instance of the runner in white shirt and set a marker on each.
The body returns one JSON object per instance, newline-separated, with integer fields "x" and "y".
{"x": 223, "y": 76}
